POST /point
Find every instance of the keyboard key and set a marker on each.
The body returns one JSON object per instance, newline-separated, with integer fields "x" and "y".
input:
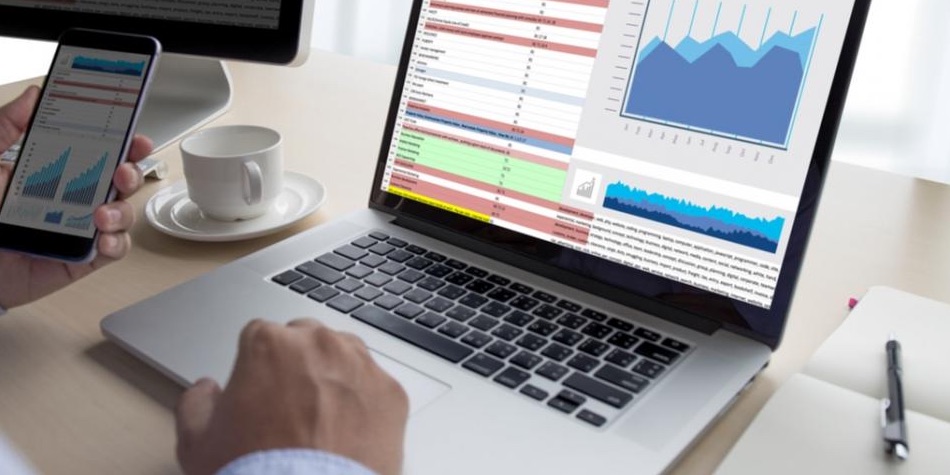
{"x": 512, "y": 377}
{"x": 320, "y": 272}
{"x": 594, "y": 315}
{"x": 345, "y": 303}
{"x": 287, "y": 278}
{"x": 453, "y": 329}
{"x": 526, "y": 360}
{"x": 397, "y": 242}
{"x": 523, "y": 302}
{"x": 597, "y": 390}
{"x": 623, "y": 340}
{"x": 534, "y": 392}
{"x": 379, "y": 236}
{"x": 479, "y": 286}
{"x": 562, "y": 405}
{"x": 480, "y": 273}
{"x": 507, "y": 332}
{"x": 323, "y": 294}
{"x": 412, "y": 333}
{"x": 519, "y": 319}
{"x": 591, "y": 418}
{"x": 388, "y": 302}
{"x": 583, "y": 363}
{"x": 418, "y": 295}
{"x": 557, "y": 352}
{"x": 675, "y": 344}
{"x": 572, "y": 321}
{"x": 411, "y": 276}
{"x": 596, "y": 330}
{"x": 647, "y": 334}
{"x": 350, "y": 252}
{"x": 409, "y": 311}
{"x": 628, "y": 381}
{"x": 501, "y": 349}
{"x": 430, "y": 320}
{"x": 373, "y": 261}
{"x": 452, "y": 292}
{"x": 335, "y": 261}
{"x": 391, "y": 268}
{"x": 572, "y": 397}
{"x": 435, "y": 256}
{"x": 431, "y": 284}
{"x": 498, "y": 280}
{"x": 368, "y": 294}
{"x": 552, "y": 371}
{"x": 621, "y": 358}
{"x": 364, "y": 242}
{"x": 416, "y": 249}
{"x": 663, "y": 355}
{"x": 400, "y": 256}
{"x": 349, "y": 285}
{"x": 569, "y": 306}
{"x": 594, "y": 347}
{"x": 457, "y": 265}
{"x": 532, "y": 342}
{"x": 473, "y": 300}
{"x": 461, "y": 313}
{"x": 542, "y": 327}
{"x": 648, "y": 368}
{"x": 439, "y": 271}
{"x": 496, "y": 309}
{"x": 382, "y": 249}
{"x": 620, "y": 324}
{"x": 544, "y": 296}
{"x": 476, "y": 339}
{"x": 378, "y": 279}
{"x": 359, "y": 272}
{"x": 483, "y": 323}
{"x": 305, "y": 285}
{"x": 521, "y": 288}
{"x": 567, "y": 337}
{"x": 419, "y": 263}
{"x": 397, "y": 287}
{"x": 459, "y": 278}
{"x": 501, "y": 294}
{"x": 439, "y": 304}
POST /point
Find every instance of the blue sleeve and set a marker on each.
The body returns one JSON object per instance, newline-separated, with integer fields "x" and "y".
{"x": 294, "y": 462}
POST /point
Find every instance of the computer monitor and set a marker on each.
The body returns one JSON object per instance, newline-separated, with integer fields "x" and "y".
{"x": 192, "y": 85}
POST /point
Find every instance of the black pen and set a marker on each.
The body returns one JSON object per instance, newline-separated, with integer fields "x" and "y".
{"x": 893, "y": 424}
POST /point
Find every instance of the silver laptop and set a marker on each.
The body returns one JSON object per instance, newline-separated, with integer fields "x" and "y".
{"x": 584, "y": 231}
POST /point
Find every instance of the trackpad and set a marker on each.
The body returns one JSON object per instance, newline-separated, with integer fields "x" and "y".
{"x": 421, "y": 389}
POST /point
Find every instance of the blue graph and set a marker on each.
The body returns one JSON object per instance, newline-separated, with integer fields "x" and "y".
{"x": 53, "y": 217}
{"x": 107, "y": 66}
{"x": 724, "y": 86}
{"x": 79, "y": 222}
{"x": 721, "y": 223}
{"x": 44, "y": 183}
{"x": 82, "y": 189}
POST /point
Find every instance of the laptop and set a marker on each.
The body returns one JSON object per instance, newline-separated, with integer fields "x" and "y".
{"x": 584, "y": 231}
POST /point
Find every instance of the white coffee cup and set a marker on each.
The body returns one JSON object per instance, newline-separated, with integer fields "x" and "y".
{"x": 233, "y": 172}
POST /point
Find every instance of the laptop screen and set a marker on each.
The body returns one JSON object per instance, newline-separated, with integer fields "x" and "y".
{"x": 671, "y": 149}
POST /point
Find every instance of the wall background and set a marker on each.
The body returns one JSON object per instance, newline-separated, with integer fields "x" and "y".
{"x": 898, "y": 113}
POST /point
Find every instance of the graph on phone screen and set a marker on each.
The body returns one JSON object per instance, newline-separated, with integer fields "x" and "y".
{"x": 75, "y": 141}
{"x": 742, "y": 78}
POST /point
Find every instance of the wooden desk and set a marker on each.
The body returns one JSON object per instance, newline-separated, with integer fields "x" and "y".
{"x": 76, "y": 404}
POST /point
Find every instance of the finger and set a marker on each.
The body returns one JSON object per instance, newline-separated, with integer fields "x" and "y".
{"x": 112, "y": 247}
{"x": 194, "y": 410}
{"x": 304, "y": 323}
{"x": 128, "y": 179}
{"x": 141, "y": 147}
{"x": 114, "y": 217}
{"x": 15, "y": 115}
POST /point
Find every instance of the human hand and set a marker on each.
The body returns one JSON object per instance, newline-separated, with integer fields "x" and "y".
{"x": 35, "y": 277}
{"x": 302, "y": 385}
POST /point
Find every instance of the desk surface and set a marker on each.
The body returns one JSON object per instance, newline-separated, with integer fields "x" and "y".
{"x": 74, "y": 403}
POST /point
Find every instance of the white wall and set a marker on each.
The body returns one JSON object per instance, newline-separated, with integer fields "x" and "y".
{"x": 897, "y": 117}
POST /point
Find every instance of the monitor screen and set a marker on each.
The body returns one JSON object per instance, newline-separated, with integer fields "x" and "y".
{"x": 271, "y": 31}
{"x": 665, "y": 152}
{"x": 189, "y": 89}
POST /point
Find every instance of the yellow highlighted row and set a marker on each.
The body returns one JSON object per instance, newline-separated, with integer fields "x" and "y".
{"x": 439, "y": 204}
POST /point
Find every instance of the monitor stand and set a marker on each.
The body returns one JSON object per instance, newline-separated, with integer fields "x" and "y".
{"x": 187, "y": 92}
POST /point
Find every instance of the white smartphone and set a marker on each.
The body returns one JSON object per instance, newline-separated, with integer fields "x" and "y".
{"x": 80, "y": 132}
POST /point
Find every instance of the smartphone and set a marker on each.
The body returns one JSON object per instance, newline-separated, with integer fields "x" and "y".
{"x": 80, "y": 132}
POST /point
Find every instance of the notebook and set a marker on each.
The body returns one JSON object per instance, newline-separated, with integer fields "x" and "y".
{"x": 826, "y": 419}
{"x": 584, "y": 233}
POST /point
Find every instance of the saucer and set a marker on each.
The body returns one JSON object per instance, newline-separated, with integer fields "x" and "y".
{"x": 171, "y": 212}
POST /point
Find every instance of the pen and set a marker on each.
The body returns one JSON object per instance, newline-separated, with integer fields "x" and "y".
{"x": 893, "y": 424}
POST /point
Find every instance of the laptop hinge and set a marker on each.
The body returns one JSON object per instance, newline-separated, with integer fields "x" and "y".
{"x": 623, "y": 297}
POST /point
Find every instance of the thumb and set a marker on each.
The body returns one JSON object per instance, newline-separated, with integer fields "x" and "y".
{"x": 193, "y": 413}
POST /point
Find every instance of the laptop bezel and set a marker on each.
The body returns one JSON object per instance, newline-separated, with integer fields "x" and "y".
{"x": 496, "y": 242}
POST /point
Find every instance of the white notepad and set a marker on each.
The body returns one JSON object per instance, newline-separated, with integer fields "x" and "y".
{"x": 826, "y": 419}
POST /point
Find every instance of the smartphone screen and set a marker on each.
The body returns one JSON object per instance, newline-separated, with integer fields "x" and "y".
{"x": 79, "y": 134}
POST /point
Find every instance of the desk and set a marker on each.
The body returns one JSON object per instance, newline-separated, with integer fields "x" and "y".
{"x": 76, "y": 404}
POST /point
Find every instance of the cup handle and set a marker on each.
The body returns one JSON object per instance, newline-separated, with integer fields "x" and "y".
{"x": 253, "y": 183}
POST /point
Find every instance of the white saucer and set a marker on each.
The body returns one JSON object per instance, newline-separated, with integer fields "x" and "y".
{"x": 171, "y": 212}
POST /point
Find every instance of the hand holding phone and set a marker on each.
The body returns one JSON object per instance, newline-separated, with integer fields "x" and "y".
{"x": 79, "y": 134}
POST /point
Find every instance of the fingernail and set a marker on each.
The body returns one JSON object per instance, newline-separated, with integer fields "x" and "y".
{"x": 115, "y": 216}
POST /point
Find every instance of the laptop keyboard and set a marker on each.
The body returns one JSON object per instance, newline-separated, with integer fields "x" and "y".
{"x": 578, "y": 361}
